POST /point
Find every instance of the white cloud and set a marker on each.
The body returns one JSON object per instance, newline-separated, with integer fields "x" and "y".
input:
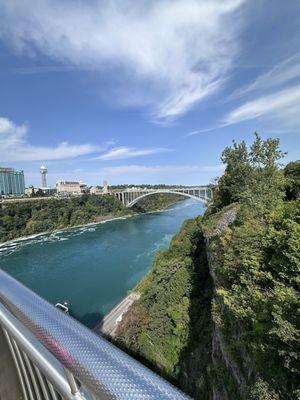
{"x": 137, "y": 174}
{"x": 282, "y": 106}
{"x": 171, "y": 53}
{"x": 273, "y": 95}
{"x": 14, "y": 146}
{"x": 118, "y": 153}
{"x": 205, "y": 130}
{"x": 283, "y": 73}
{"x": 171, "y": 174}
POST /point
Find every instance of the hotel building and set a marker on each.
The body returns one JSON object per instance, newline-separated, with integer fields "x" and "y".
{"x": 12, "y": 182}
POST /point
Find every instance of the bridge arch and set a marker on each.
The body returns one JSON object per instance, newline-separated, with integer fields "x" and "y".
{"x": 164, "y": 191}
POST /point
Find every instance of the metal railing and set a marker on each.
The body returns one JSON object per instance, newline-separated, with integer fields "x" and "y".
{"x": 131, "y": 196}
{"x": 58, "y": 358}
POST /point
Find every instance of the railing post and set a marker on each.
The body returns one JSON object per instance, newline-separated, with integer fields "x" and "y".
{"x": 72, "y": 382}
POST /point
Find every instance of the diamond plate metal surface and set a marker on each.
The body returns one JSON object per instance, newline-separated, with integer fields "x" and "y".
{"x": 103, "y": 368}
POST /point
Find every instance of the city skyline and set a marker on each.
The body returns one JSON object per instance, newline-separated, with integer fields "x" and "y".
{"x": 144, "y": 93}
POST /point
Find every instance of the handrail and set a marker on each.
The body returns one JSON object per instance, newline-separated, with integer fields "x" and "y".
{"x": 104, "y": 369}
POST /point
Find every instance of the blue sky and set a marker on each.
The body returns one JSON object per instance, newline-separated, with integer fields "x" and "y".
{"x": 147, "y": 91}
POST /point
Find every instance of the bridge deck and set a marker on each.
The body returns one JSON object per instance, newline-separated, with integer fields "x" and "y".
{"x": 131, "y": 196}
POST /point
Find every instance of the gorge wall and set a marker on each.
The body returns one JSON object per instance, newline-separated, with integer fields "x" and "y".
{"x": 205, "y": 315}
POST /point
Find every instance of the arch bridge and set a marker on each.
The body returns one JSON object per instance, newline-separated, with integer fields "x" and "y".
{"x": 131, "y": 196}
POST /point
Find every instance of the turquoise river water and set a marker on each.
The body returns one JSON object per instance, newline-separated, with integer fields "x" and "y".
{"x": 93, "y": 267}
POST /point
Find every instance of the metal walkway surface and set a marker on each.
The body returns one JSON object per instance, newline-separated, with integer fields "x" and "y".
{"x": 47, "y": 355}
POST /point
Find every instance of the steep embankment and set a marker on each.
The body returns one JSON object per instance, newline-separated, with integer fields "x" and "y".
{"x": 163, "y": 327}
{"x": 255, "y": 267}
{"x": 218, "y": 313}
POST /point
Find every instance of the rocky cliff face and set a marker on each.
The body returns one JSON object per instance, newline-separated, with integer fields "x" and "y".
{"x": 225, "y": 367}
{"x": 206, "y": 319}
{"x": 177, "y": 299}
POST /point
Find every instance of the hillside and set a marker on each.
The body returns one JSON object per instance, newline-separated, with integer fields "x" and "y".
{"x": 219, "y": 313}
{"x": 156, "y": 202}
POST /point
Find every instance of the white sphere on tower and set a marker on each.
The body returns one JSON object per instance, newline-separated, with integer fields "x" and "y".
{"x": 43, "y": 171}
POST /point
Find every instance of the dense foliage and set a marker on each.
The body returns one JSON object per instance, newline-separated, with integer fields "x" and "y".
{"x": 155, "y": 202}
{"x": 26, "y": 218}
{"x": 252, "y": 334}
{"x": 292, "y": 175}
{"x": 164, "y": 326}
{"x": 257, "y": 302}
{"x": 252, "y": 177}
{"x": 257, "y": 262}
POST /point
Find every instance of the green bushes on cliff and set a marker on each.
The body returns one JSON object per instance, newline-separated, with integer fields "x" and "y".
{"x": 292, "y": 175}
{"x": 256, "y": 306}
{"x": 252, "y": 176}
{"x": 164, "y": 326}
{"x": 257, "y": 269}
{"x": 225, "y": 322}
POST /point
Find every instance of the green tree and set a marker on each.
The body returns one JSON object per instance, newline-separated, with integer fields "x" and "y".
{"x": 265, "y": 189}
{"x": 292, "y": 175}
{"x": 234, "y": 181}
{"x": 253, "y": 176}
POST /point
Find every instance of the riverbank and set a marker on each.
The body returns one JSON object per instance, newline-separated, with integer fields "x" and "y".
{"x": 109, "y": 324}
{"x": 100, "y": 220}
{"x": 93, "y": 267}
{"x": 23, "y": 220}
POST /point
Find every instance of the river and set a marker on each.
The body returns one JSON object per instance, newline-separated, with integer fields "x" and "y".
{"x": 93, "y": 267}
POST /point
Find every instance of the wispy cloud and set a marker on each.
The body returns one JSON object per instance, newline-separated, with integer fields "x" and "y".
{"x": 205, "y": 130}
{"x": 172, "y": 174}
{"x": 283, "y": 73}
{"x": 173, "y": 53}
{"x": 282, "y": 106}
{"x": 118, "y": 153}
{"x": 272, "y": 95}
{"x": 128, "y": 169}
{"x": 14, "y": 146}
{"x": 51, "y": 68}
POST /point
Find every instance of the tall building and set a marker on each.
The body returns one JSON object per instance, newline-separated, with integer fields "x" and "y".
{"x": 43, "y": 171}
{"x": 11, "y": 182}
{"x": 105, "y": 186}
